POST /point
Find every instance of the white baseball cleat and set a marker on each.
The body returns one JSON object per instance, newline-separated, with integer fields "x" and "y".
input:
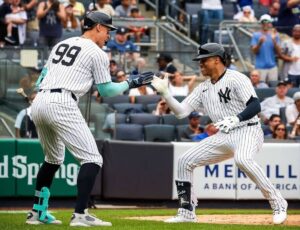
{"x": 183, "y": 216}
{"x": 280, "y": 214}
{"x": 87, "y": 220}
{"x": 33, "y": 219}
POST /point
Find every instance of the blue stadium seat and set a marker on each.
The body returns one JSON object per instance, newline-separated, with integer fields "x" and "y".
{"x": 144, "y": 118}
{"x": 117, "y": 99}
{"x": 159, "y": 133}
{"x": 265, "y": 92}
{"x": 147, "y": 99}
{"x": 292, "y": 91}
{"x": 123, "y": 107}
{"x": 171, "y": 119}
{"x": 129, "y": 132}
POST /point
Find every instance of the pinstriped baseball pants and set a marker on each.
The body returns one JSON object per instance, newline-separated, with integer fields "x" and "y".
{"x": 60, "y": 124}
{"x": 242, "y": 144}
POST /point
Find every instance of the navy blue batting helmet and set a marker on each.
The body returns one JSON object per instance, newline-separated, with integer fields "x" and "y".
{"x": 96, "y": 17}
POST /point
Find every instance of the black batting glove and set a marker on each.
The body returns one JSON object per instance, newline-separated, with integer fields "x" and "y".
{"x": 137, "y": 80}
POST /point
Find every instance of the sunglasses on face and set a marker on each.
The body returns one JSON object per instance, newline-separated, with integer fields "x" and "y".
{"x": 280, "y": 129}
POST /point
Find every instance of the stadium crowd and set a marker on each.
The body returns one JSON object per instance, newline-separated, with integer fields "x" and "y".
{"x": 277, "y": 41}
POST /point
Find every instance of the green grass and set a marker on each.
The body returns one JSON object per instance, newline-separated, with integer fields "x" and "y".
{"x": 10, "y": 221}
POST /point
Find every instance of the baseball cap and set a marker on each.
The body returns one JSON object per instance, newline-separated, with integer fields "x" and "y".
{"x": 121, "y": 30}
{"x": 281, "y": 83}
{"x": 265, "y": 17}
{"x": 296, "y": 96}
{"x": 194, "y": 114}
{"x": 247, "y": 8}
{"x": 164, "y": 56}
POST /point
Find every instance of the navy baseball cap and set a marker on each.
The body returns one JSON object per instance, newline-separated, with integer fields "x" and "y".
{"x": 281, "y": 83}
{"x": 121, "y": 30}
{"x": 194, "y": 114}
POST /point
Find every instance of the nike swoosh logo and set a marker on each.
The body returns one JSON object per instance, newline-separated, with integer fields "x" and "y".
{"x": 204, "y": 90}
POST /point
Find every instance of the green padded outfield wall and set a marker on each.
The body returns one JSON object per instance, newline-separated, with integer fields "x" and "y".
{"x": 20, "y": 160}
{"x": 7, "y": 181}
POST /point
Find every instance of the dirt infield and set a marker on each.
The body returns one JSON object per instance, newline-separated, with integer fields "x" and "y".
{"x": 293, "y": 220}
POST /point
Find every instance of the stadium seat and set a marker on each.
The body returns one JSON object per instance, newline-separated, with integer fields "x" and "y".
{"x": 272, "y": 83}
{"x": 265, "y": 92}
{"x": 179, "y": 98}
{"x": 144, "y": 118}
{"x": 159, "y": 133}
{"x": 129, "y": 132}
{"x": 292, "y": 91}
{"x": 150, "y": 107}
{"x": 123, "y": 107}
{"x": 147, "y": 99}
{"x": 179, "y": 131}
{"x": 171, "y": 119}
{"x": 121, "y": 118}
{"x": 117, "y": 99}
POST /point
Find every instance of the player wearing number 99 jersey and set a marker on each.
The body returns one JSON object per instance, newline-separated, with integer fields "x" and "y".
{"x": 73, "y": 66}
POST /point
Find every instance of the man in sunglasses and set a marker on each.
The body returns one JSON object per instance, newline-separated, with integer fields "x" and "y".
{"x": 230, "y": 101}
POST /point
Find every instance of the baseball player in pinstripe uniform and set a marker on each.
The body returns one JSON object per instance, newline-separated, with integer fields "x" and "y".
{"x": 232, "y": 104}
{"x": 72, "y": 68}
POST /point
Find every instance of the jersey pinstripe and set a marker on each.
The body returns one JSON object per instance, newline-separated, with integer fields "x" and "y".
{"x": 227, "y": 97}
{"x": 75, "y": 64}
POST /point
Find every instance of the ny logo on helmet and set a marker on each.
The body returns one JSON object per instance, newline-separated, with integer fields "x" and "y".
{"x": 224, "y": 96}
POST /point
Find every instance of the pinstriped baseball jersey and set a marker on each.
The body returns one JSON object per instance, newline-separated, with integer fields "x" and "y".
{"x": 75, "y": 64}
{"x": 227, "y": 97}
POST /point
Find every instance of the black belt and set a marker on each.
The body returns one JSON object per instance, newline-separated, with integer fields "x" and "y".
{"x": 59, "y": 91}
{"x": 251, "y": 124}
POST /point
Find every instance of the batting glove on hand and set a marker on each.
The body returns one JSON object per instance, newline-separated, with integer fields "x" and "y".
{"x": 161, "y": 84}
{"x": 228, "y": 124}
{"x": 137, "y": 80}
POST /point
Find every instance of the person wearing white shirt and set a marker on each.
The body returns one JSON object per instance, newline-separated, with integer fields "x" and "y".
{"x": 293, "y": 110}
{"x": 272, "y": 105}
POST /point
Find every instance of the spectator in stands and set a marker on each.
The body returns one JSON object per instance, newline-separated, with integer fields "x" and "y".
{"x": 126, "y": 49}
{"x": 24, "y": 125}
{"x": 177, "y": 86}
{"x": 271, "y": 105}
{"x": 51, "y": 15}
{"x": 109, "y": 124}
{"x": 274, "y": 11}
{"x": 113, "y": 69}
{"x": 292, "y": 111}
{"x": 212, "y": 11}
{"x": 121, "y": 76}
{"x": 165, "y": 64}
{"x": 288, "y": 16}
{"x": 137, "y": 31}
{"x": 30, "y": 6}
{"x": 72, "y": 22}
{"x": 209, "y": 130}
{"x": 16, "y": 24}
{"x": 255, "y": 79}
{"x": 78, "y": 9}
{"x": 143, "y": 90}
{"x": 4, "y": 10}
{"x": 273, "y": 121}
{"x": 103, "y": 6}
{"x": 296, "y": 129}
{"x": 265, "y": 44}
{"x": 247, "y": 15}
{"x": 291, "y": 56}
{"x": 124, "y": 9}
{"x": 280, "y": 132}
{"x": 161, "y": 108}
{"x": 194, "y": 127}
